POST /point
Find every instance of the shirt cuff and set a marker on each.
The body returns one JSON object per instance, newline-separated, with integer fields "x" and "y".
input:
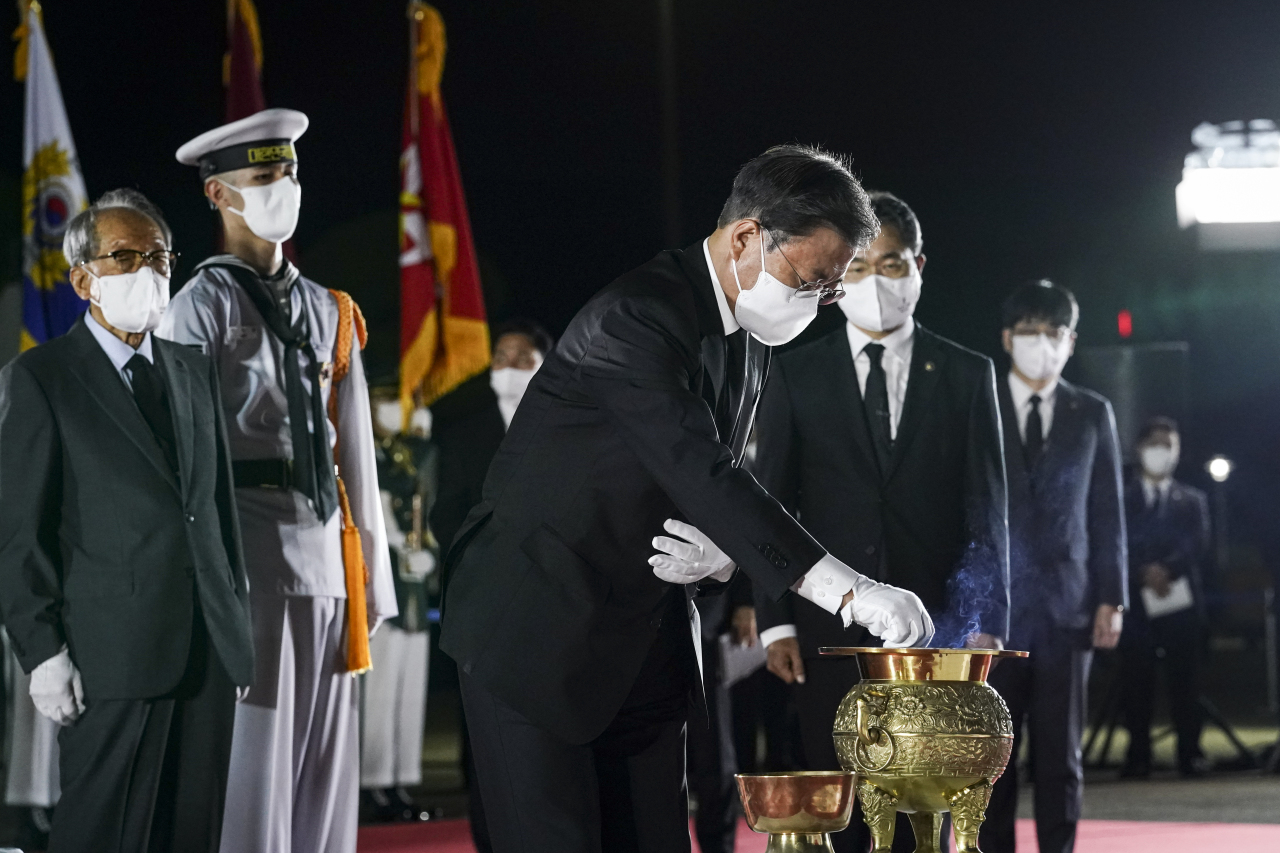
{"x": 769, "y": 636}
{"x": 826, "y": 585}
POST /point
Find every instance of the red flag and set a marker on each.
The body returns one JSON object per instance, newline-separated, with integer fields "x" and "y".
{"x": 444, "y": 339}
{"x": 242, "y": 64}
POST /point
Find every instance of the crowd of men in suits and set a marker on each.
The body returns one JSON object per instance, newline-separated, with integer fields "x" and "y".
{"x": 188, "y": 580}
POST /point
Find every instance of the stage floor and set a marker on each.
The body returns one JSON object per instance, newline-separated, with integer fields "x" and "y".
{"x": 1096, "y": 836}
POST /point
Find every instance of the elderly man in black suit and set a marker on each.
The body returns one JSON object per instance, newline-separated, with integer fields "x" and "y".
{"x": 1168, "y": 542}
{"x": 573, "y": 638}
{"x": 121, "y": 574}
{"x": 1067, "y": 560}
{"x": 884, "y": 440}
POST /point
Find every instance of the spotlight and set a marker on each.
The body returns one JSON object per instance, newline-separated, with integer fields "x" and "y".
{"x": 1219, "y": 468}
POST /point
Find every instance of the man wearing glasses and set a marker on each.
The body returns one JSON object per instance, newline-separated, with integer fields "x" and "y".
{"x": 122, "y": 578}
{"x": 576, "y": 644}
{"x": 278, "y": 339}
{"x": 884, "y": 440}
{"x": 1067, "y": 555}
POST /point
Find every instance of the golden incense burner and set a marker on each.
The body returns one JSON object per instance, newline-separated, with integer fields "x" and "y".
{"x": 797, "y": 809}
{"x": 926, "y": 735}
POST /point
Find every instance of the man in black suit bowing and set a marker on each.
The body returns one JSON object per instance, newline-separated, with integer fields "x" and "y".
{"x": 574, "y": 643}
{"x": 884, "y": 440}
{"x": 121, "y": 575}
{"x": 1067, "y": 560}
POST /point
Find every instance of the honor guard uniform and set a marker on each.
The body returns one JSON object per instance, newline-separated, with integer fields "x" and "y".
{"x": 395, "y": 692}
{"x": 293, "y": 387}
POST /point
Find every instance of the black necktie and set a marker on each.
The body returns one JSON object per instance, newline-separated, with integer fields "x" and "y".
{"x": 148, "y": 392}
{"x": 1034, "y": 444}
{"x": 312, "y": 456}
{"x": 876, "y": 404}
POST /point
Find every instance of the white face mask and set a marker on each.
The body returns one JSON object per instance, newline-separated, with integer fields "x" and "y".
{"x": 878, "y": 303}
{"x": 133, "y": 301}
{"x": 271, "y": 212}
{"x": 1158, "y": 462}
{"x": 510, "y": 383}
{"x": 388, "y": 416}
{"x": 773, "y": 313}
{"x": 1040, "y": 357}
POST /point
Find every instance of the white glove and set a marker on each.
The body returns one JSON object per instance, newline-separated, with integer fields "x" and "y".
{"x": 895, "y": 615}
{"x": 56, "y": 689}
{"x": 688, "y": 561}
{"x": 419, "y": 564}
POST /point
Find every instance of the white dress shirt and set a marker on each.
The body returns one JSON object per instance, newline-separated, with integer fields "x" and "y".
{"x": 827, "y": 583}
{"x": 1022, "y": 393}
{"x": 1154, "y": 493}
{"x": 117, "y": 350}
{"x": 896, "y": 361}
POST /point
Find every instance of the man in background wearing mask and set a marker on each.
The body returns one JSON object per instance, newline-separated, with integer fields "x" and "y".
{"x": 394, "y": 693}
{"x": 469, "y": 425}
{"x": 122, "y": 578}
{"x": 577, "y": 645}
{"x": 883, "y": 440}
{"x": 1168, "y": 525}
{"x": 274, "y": 336}
{"x": 1067, "y": 560}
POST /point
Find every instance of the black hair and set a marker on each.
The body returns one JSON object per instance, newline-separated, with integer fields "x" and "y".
{"x": 793, "y": 190}
{"x": 1041, "y": 301}
{"x": 1159, "y": 423}
{"x": 542, "y": 340}
{"x": 894, "y": 213}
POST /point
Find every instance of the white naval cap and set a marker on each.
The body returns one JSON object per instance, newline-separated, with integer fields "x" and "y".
{"x": 260, "y": 139}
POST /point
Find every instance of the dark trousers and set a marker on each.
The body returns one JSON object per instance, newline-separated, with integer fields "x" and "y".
{"x": 712, "y": 760}
{"x": 150, "y": 775}
{"x": 1047, "y": 693}
{"x": 763, "y": 701}
{"x": 827, "y": 680}
{"x": 1178, "y": 637}
{"x": 621, "y": 793}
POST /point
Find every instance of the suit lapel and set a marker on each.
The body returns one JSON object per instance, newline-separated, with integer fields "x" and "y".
{"x": 1064, "y": 432}
{"x": 1014, "y": 458}
{"x": 847, "y": 399}
{"x": 922, "y": 380}
{"x": 103, "y": 383}
{"x": 177, "y": 382}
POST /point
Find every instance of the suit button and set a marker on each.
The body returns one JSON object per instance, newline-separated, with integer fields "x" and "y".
{"x": 871, "y": 549}
{"x": 655, "y": 623}
{"x": 190, "y": 519}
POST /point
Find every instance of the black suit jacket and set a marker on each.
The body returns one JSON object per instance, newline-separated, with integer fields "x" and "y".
{"x": 936, "y": 525}
{"x": 1067, "y": 548}
{"x": 101, "y": 546}
{"x": 551, "y": 603}
{"x": 467, "y": 427}
{"x": 1177, "y": 537}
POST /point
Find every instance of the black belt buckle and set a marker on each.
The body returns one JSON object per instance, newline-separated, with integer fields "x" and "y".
{"x": 263, "y": 473}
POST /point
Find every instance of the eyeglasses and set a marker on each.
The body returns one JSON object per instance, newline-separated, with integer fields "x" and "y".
{"x": 826, "y": 292}
{"x": 129, "y": 260}
{"x": 1057, "y": 334}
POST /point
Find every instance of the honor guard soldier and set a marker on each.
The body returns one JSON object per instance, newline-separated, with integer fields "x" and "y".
{"x": 293, "y": 388}
{"x": 395, "y": 693}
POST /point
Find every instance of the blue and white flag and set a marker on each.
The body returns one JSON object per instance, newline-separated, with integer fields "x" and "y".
{"x": 52, "y": 191}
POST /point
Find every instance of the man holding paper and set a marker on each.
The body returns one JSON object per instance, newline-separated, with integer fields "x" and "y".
{"x": 1168, "y": 525}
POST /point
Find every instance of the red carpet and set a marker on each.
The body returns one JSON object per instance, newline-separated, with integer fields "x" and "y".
{"x": 1096, "y": 836}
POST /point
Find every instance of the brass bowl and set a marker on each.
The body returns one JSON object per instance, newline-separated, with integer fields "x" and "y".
{"x": 879, "y": 664}
{"x": 803, "y": 802}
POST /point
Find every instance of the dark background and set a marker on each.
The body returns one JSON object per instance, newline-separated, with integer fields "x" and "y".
{"x": 1032, "y": 139}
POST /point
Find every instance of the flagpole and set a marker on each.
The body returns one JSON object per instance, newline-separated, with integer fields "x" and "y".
{"x": 415, "y": 16}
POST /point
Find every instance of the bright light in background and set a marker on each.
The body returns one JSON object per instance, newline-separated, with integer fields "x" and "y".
{"x": 1219, "y": 468}
{"x": 1124, "y": 323}
{"x": 1228, "y": 195}
{"x": 1232, "y": 180}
